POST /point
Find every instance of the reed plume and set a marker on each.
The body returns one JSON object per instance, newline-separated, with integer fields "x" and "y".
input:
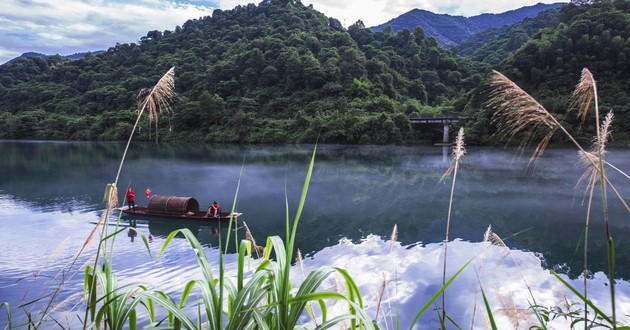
{"x": 513, "y": 313}
{"x": 518, "y": 112}
{"x": 393, "y": 238}
{"x": 248, "y": 236}
{"x": 584, "y": 94}
{"x": 155, "y": 100}
{"x": 458, "y": 152}
{"x": 492, "y": 238}
{"x": 590, "y": 160}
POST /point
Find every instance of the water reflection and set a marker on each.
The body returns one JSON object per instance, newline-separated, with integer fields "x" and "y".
{"x": 208, "y": 234}
{"x": 355, "y": 191}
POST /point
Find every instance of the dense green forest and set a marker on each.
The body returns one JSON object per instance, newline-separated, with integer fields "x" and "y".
{"x": 282, "y": 72}
{"x": 549, "y": 65}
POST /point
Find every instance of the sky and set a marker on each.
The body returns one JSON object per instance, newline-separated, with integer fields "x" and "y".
{"x": 70, "y": 26}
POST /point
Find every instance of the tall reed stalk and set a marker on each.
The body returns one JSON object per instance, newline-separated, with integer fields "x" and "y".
{"x": 153, "y": 101}
{"x": 592, "y": 176}
{"x": 458, "y": 152}
{"x": 585, "y": 94}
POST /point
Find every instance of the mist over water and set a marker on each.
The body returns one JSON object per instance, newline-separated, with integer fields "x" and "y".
{"x": 51, "y": 193}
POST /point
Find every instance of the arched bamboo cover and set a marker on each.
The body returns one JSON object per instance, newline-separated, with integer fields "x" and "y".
{"x": 172, "y": 204}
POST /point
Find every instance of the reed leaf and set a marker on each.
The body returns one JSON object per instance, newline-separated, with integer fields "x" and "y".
{"x": 211, "y": 294}
{"x": 439, "y": 293}
{"x": 175, "y": 312}
{"x": 336, "y": 321}
{"x": 244, "y": 251}
{"x": 248, "y": 302}
{"x": 6, "y": 306}
{"x": 300, "y": 263}
{"x": 208, "y": 298}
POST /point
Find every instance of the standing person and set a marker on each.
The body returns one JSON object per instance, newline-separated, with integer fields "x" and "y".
{"x": 131, "y": 199}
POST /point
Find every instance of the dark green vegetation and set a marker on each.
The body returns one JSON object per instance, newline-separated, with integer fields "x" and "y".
{"x": 283, "y": 72}
{"x": 596, "y": 37}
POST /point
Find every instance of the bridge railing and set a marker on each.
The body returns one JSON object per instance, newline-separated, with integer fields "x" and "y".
{"x": 437, "y": 120}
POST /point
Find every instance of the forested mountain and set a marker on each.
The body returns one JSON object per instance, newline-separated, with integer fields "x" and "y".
{"x": 282, "y": 72}
{"x": 274, "y": 72}
{"x": 549, "y": 65}
{"x": 495, "y": 45}
{"x": 451, "y": 30}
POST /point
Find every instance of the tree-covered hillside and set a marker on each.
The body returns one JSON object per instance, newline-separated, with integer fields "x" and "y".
{"x": 274, "y": 72}
{"x": 595, "y": 36}
{"x": 493, "y": 46}
{"x": 281, "y": 72}
{"x": 451, "y": 30}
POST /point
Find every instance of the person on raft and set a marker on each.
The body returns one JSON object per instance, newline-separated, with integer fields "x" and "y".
{"x": 214, "y": 210}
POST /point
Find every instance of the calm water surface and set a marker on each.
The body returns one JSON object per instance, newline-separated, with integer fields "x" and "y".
{"x": 51, "y": 193}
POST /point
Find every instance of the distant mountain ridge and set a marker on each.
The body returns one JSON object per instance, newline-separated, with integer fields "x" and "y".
{"x": 75, "y": 56}
{"x": 451, "y": 30}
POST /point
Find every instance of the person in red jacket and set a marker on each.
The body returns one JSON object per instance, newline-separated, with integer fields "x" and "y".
{"x": 131, "y": 199}
{"x": 214, "y": 210}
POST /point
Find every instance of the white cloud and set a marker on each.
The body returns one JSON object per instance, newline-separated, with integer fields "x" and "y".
{"x": 375, "y": 12}
{"x": 70, "y": 26}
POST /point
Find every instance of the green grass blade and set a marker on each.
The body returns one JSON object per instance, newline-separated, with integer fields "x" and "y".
{"x": 248, "y": 299}
{"x": 163, "y": 300}
{"x": 132, "y": 320}
{"x": 298, "y": 213}
{"x": 308, "y": 286}
{"x": 197, "y": 248}
{"x": 439, "y": 293}
{"x": 360, "y": 316}
{"x": 9, "y": 317}
{"x": 488, "y": 309}
{"x": 587, "y": 301}
{"x": 244, "y": 251}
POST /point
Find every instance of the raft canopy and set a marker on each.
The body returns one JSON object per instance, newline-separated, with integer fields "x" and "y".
{"x": 172, "y": 204}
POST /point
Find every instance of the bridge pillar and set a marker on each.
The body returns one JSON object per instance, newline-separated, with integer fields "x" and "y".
{"x": 445, "y": 136}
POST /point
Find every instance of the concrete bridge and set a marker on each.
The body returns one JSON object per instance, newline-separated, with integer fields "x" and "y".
{"x": 445, "y": 120}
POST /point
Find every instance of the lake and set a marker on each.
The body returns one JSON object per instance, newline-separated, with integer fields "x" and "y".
{"x": 51, "y": 196}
